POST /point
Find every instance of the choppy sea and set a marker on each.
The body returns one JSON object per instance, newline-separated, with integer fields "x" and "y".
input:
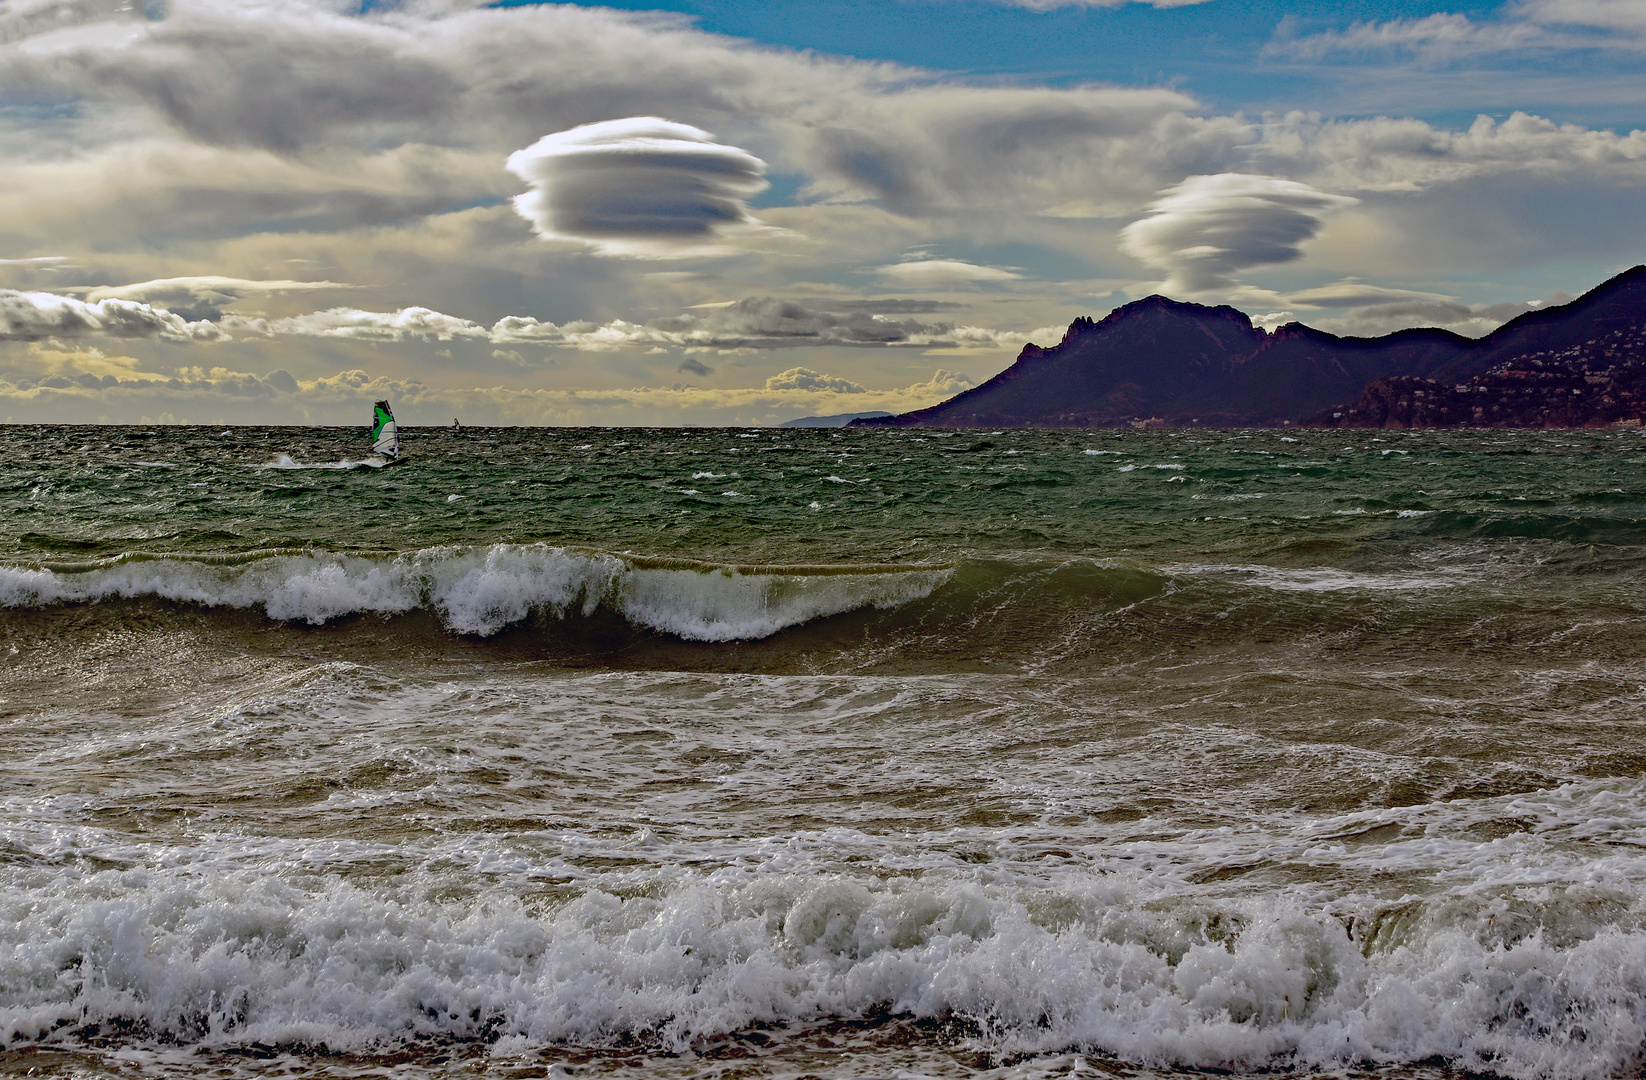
{"x": 704, "y": 753}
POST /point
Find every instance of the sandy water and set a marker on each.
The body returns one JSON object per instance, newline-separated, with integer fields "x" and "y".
{"x": 822, "y": 753}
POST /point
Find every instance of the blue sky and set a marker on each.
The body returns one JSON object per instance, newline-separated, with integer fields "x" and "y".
{"x": 1215, "y": 50}
{"x": 708, "y": 211}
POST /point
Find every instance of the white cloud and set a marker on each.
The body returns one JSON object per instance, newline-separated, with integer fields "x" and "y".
{"x": 802, "y": 378}
{"x": 201, "y": 296}
{"x": 940, "y": 273}
{"x": 1206, "y": 229}
{"x": 756, "y": 322}
{"x": 636, "y": 185}
{"x": 1541, "y": 25}
{"x": 998, "y": 152}
{"x": 1352, "y": 293}
{"x": 1608, "y": 14}
{"x": 759, "y": 322}
{"x": 1434, "y": 37}
{"x": 943, "y": 383}
{"x": 352, "y": 323}
{"x": 1386, "y": 154}
{"x": 36, "y": 316}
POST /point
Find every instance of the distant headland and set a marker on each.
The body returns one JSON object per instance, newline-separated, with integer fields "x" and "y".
{"x": 1163, "y": 363}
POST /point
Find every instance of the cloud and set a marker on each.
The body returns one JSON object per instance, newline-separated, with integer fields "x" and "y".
{"x": 1435, "y": 37}
{"x": 1607, "y": 14}
{"x": 26, "y": 19}
{"x": 635, "y": 185}
{"x": 1352, "y": 293}
{"x": 929, "y": 150}
{"x": 940, "y": 273}
{"x": 943, "y": 383}
{"x": 802, "y": 378}
{"x": 201, "y": 296}
{"x": 767, "y": 322}
{"x": 755, "y": 322}
{"x": 1542, "y": 25}
{"x": 352, "y": 323}
{"x": 694, "y": 367}
{"x": 1406, "y": 155}
{"x": 1208, "y": 228}
{"x": 36, "y": 316}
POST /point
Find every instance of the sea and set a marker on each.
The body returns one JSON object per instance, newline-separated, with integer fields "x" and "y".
{"x": 822, "y": 753}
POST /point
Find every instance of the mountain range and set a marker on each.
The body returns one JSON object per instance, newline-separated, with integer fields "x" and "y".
{"x": 1162, "y": 362}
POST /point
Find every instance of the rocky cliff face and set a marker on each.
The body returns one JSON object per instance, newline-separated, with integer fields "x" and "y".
{"x": 1163, "y": 361}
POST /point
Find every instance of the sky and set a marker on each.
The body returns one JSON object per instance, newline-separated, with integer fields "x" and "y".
{"x": 740, "y": 212}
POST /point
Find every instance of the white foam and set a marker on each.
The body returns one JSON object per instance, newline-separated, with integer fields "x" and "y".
{"x": 1329, "y": 579}
{"x": 236, "y": 958}
{"x": 482, "y": 590}
{"x": 286, "y": 461}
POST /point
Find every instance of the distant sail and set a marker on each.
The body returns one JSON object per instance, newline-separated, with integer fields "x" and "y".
{"x": 385, "y": 433}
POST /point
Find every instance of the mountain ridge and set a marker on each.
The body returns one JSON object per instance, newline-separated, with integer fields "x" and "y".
{"x": 1169, "y": 362}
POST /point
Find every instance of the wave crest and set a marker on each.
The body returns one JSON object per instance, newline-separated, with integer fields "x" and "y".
{"x": 480, "y": 591}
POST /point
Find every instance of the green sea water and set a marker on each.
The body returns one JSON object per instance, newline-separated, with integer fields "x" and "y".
{"x": 835, "y": 753}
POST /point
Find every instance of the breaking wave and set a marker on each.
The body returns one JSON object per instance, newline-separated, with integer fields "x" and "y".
{"x": 239, "y": 958}
{"x": 480, "y": 591}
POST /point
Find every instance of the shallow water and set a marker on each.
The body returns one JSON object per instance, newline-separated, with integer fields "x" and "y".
{"x": 822, "y": 753}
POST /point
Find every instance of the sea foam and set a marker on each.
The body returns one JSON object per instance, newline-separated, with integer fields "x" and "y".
{"x": 238, "y": 958}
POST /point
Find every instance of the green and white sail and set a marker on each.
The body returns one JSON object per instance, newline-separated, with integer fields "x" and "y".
{"x": 385, "y": 433}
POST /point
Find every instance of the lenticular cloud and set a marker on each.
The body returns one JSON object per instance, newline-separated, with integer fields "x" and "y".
{"x": 635, "y": 183}
{"x": 1208, "y": 228}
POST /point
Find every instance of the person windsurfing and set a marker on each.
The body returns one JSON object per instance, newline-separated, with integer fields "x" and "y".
{"x": 385, "y": 433}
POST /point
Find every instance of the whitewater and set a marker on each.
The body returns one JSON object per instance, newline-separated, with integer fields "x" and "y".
{"x": 822, "y": 753}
